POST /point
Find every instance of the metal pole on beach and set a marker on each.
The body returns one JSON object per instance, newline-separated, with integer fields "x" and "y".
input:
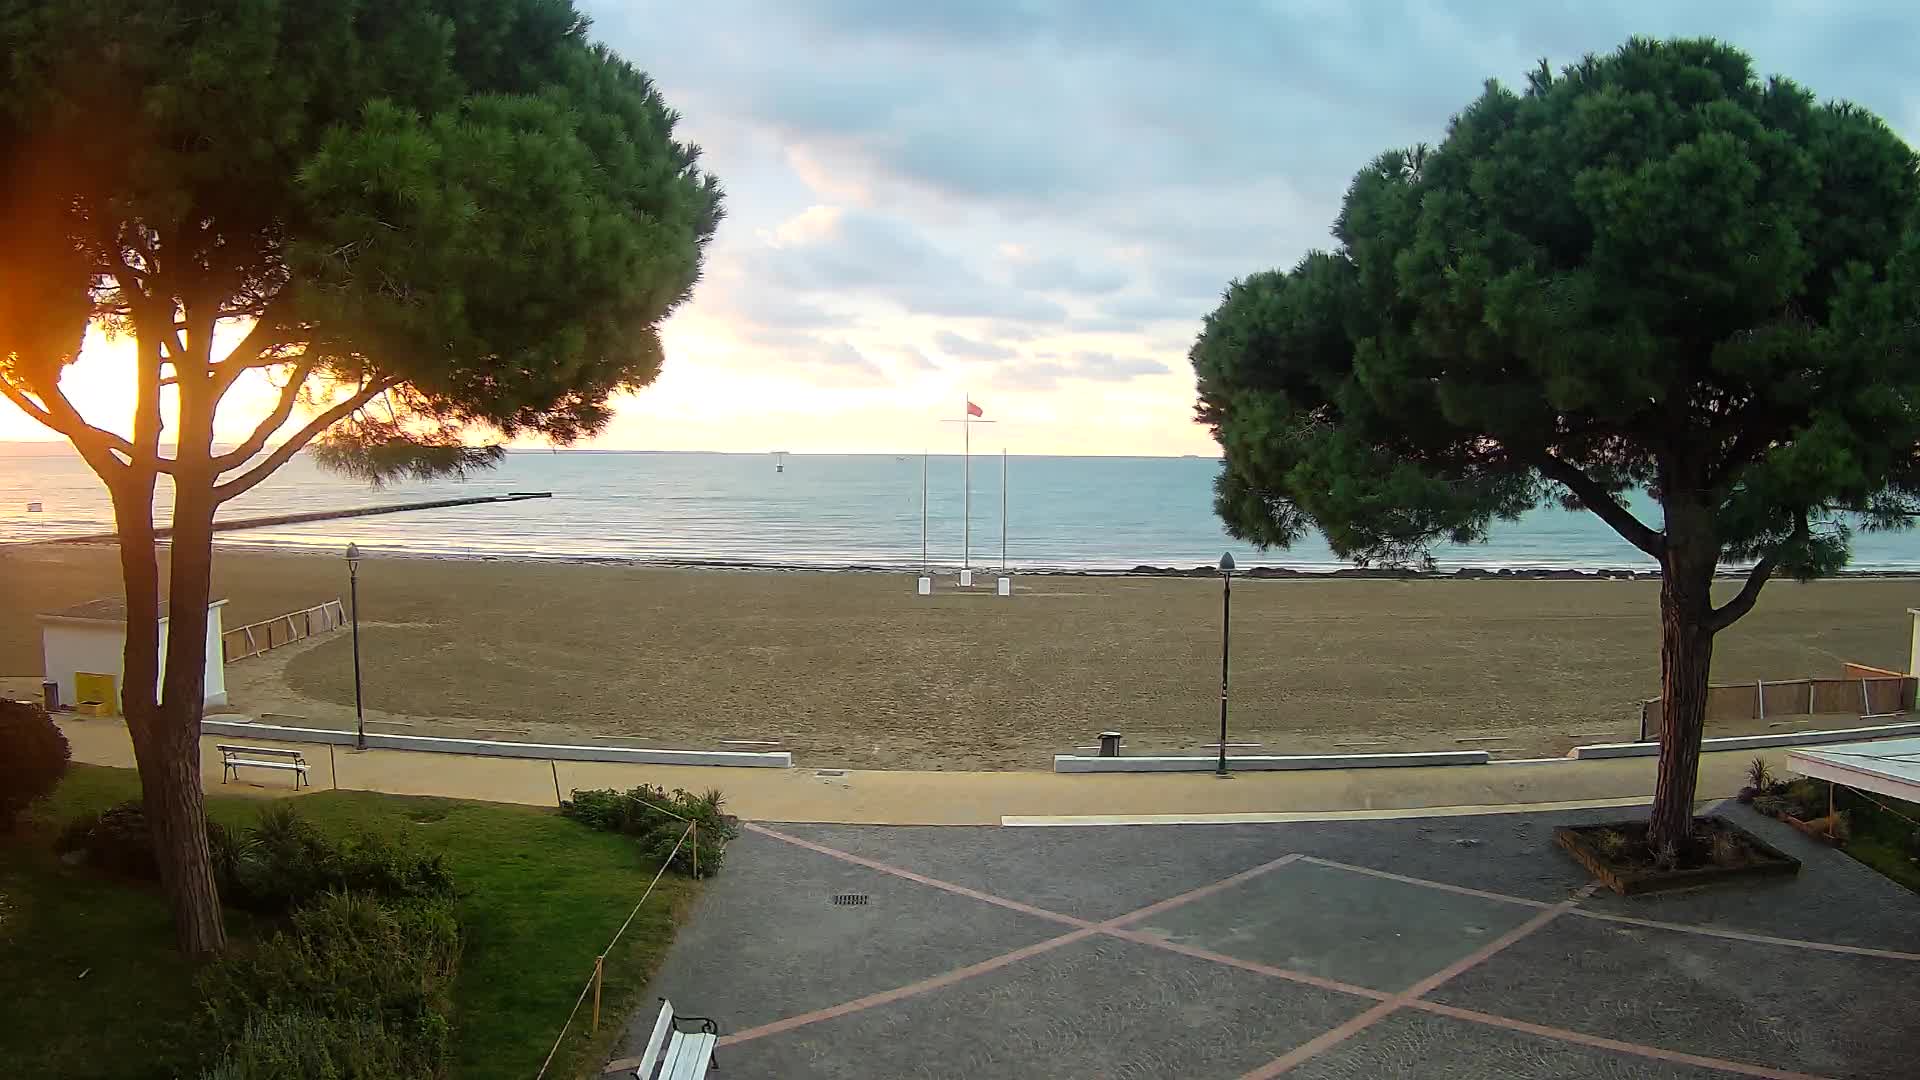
{"x": 1003, "y": 510}
{"x": 1226, "y": 640}
{"x": 966, "y": 483}
{"x": 923, "y": 512}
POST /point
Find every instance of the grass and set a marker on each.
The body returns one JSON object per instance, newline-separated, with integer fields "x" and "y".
{"x": 1880, "y": 834}
{"x": 540, "y": 896}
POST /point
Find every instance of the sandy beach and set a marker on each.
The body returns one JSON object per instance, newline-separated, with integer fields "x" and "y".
{"x": 851, "y": 669}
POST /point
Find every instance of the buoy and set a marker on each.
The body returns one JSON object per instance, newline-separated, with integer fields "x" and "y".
{"x": 33, "y": 508}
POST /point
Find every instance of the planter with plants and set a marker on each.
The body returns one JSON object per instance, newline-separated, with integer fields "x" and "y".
{"x": 1620, "y": 856}
{"x": 1806, "y": 804}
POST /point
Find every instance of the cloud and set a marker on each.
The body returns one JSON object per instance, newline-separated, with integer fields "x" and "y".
{"x": 1058, "y": 274}
{"x": 912, "y": 359}
{"x": 1047, "y": 372}
{"x": 961, "y": 347}
{"x": 886, "y": 257}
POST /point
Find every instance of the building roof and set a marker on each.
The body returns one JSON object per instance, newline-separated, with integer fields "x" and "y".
{"x": 1889, "y": 767}
{"x": 107, "y": 609}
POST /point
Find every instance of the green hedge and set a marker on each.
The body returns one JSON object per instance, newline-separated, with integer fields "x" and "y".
{"x": 33, "y": 757}
{"x": 658, "y": 818}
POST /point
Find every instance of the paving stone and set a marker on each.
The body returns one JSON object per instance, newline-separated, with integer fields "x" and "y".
{"x": 1440, "y": 1048}
{"x": 1385, "y": 935}
{"x": 1096, "y": 1008}
{"x": 1771, "y": 1005}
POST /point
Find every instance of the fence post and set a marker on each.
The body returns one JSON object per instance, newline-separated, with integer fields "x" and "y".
{"x": 693, "y": 832}
{"x": 1760, "y": 697}
{"x": 599, "y": 968}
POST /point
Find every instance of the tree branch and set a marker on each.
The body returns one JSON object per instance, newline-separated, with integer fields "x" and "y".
{"x": 1601, "y": 501}
{"x": 289, "y": 397}
{"x": 245, "y": 482}
{"x": 1730, "y": 612}
{"x": 244, "y": 355}
{"x": 58, "y": 414}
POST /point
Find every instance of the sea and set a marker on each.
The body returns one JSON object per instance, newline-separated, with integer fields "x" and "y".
{"x": 809, "y": 510}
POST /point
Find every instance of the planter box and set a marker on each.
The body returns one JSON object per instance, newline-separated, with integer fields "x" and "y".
{"x": 1629, "y": 880}
{"x": 1812, "y": 831}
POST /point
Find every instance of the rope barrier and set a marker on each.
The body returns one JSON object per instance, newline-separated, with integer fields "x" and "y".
{"x": 595, "y": 977}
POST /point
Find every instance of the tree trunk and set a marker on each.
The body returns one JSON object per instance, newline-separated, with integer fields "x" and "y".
{"x": 1686, "y": 663}
{"x": 176, "y": 805}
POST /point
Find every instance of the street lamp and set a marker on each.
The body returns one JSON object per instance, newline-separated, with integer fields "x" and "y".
{"x": 1226, "y": 638}
{"x": 353, "y": 587}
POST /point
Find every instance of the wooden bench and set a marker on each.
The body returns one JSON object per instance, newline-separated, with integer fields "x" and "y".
{"x": 673, "y": 1054}
{"x": 234, "y": 757}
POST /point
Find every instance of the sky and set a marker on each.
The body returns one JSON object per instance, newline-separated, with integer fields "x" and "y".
{"x": 1034, "y": 202}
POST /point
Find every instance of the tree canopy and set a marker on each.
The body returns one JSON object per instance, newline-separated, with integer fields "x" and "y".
{"x": 463, "y": 209}
{"x": 1652, "y": 270}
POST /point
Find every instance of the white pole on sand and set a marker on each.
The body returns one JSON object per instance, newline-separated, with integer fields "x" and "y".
{"x": 1003, "y": 587}
{"x": 924, "y": 586}
{"x": 966, "y": 499}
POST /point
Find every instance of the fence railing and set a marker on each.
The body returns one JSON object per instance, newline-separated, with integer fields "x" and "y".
{"x": 256, "y": 638}
{"x": 1865, "y": 691}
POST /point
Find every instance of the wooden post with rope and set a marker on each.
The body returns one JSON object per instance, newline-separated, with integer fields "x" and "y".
{"x": 599, "y": 970}
{"x": 693, "y": 829}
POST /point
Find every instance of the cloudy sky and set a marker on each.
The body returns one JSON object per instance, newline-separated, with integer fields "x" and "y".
{"x": 1035, "y": 201}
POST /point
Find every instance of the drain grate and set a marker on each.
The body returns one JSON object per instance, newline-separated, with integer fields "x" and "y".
{"x": 850, "y": 899}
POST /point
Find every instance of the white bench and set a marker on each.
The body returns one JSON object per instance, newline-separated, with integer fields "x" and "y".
{"x": 234, "y": 757}
{"x": 673, "y": 1054}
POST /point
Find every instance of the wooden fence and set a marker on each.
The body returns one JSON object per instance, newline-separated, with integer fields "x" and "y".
{"x": 1863, "y": 691}
{"x": 256, "y": 638}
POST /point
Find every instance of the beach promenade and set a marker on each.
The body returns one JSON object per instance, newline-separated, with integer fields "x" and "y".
{"x": 901, "y": 797}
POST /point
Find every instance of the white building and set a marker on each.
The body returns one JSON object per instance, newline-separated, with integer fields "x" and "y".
{"x": 84, "y": 648}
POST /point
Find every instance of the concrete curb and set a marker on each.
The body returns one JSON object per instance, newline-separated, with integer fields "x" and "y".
{"x": 1748, "y": 742}
{"x": 1071, "y": 763}
{"x": 488, "y": 748}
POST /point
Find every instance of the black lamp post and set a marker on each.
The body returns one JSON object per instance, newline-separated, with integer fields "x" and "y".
{"x": 353, "y": 588}
{"x": 1226, "y": 639}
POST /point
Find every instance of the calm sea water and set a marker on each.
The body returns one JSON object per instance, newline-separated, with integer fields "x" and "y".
{"x": 823, "y": 510}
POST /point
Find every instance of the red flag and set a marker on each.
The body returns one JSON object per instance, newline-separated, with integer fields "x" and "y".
{"x": 974, "y": 410}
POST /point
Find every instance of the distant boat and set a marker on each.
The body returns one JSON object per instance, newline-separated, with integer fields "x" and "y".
{"x": 34, "y": 508}
{"x": 780, "y": 461}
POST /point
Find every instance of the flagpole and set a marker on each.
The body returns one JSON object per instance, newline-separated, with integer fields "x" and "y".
{"x": 923, "y": 512}
{"x": 966, "y": 501}
{"x": 1003, "y": 510}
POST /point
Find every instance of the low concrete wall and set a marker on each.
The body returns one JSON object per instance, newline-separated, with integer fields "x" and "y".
{"x": 1071, "y": 763}
{"x": 489, "y": 748}
{"x": 1749, "y": 742}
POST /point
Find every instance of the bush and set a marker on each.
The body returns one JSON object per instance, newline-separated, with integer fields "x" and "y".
{"x": 357, "y": 987}
{"x": 278, "y": 863}
{"x": 33, "y": 757}
{"x": 658, "y": 818}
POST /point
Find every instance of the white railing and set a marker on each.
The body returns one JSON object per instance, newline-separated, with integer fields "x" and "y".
{"x": 256, "y": 638}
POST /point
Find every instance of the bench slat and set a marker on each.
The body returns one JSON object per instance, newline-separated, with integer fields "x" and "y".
{"x": 297, "y": 766}
{"x": 688, "y": 1055}
{"x": 661, "y": 1027}
{"x": 228, "y": 748}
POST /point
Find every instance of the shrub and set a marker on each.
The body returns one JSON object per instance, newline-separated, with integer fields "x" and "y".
{"x": 1759, "y": 774}
{"x": 115, "y": 839}
{"x": 281, "y": 861}
{"x": 33, "y": 757}
{"x": 356, "y": 987}
{"x": 658, "y": 817}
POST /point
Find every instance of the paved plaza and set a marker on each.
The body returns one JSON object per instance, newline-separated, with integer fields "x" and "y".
{"x": 1449, "y": 947}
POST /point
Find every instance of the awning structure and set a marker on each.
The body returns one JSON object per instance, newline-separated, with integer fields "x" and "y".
{"x": 1889, "y": 767}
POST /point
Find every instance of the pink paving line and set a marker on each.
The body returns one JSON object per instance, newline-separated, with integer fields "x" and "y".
{"x": 1330, "y": 1039}
{"x": 1248, "y": 965}
{"x": 1426, "y": 883}
{"x": 1762, "y": 939}
{"x": 936, "y": 883}
{"x": 1684, "y": 928}
{"x": 1201, "y": 892}
{"x": 899, "y": 993}
{"x": 1601, "y": 1043}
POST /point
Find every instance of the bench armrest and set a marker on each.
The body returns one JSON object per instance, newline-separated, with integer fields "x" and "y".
{"x": 703, "y": 1024}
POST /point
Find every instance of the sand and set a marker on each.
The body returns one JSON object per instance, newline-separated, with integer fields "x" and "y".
{"x": 848, "y": 669}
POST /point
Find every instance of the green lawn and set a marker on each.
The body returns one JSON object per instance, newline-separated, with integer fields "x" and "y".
{"x": 1881, "y": 834}
{"x": 540, "y": 896}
